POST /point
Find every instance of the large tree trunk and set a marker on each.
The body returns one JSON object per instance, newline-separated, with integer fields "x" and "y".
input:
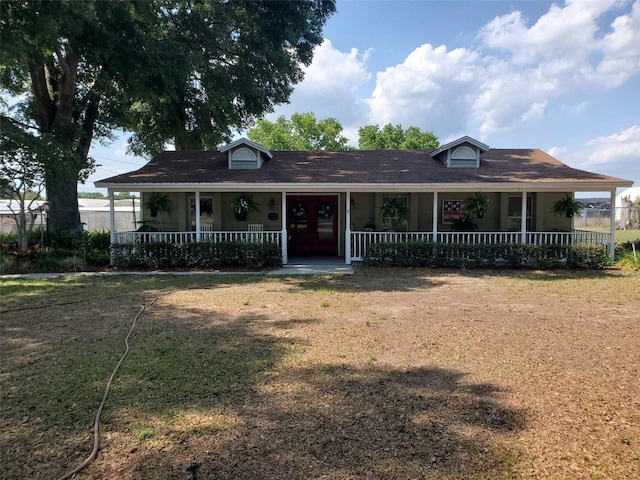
{"x": 62, "y": 193}
{"x": 61, "y": 174}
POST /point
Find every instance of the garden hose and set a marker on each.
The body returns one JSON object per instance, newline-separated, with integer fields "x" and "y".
{"x": 96, "y": 424}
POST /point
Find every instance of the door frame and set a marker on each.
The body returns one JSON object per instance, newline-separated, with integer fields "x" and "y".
{"x": 340, "y": 231}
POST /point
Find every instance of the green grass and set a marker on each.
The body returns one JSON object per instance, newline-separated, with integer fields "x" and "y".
{"x": 621, "y": 235}
{"x": 75, "y": 289}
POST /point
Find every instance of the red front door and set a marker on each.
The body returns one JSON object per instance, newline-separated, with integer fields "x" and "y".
{"x": 312, "y": 225}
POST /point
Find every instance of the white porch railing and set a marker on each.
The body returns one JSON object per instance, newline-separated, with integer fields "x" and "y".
{"x": 361, "y": 240}
{"x": 188, "y": 237}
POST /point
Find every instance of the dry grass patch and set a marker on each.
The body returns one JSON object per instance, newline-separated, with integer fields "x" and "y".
{"x": 383, "y": 374}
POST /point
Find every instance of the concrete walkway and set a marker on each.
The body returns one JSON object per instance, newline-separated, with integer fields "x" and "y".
{"x": 296, "y": 267}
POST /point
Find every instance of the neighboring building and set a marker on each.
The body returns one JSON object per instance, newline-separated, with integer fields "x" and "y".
{"x": 329, "y": 203}
{"x": 94, "y": 214}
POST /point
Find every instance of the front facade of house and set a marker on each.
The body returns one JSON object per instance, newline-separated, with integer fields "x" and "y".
{"x": 329, "y": 204}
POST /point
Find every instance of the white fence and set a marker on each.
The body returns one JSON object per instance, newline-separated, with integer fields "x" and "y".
{"x": 186, "y": 237}
{"x": 361, "y": 240}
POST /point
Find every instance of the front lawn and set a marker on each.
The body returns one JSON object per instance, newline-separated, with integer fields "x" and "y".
{"x": 385, "y": 374}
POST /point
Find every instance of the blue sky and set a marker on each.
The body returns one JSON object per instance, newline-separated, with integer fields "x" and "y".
{"x": 563, "y": 77}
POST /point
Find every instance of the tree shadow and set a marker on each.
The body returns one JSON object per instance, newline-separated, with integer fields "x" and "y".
{"x": 343, "y": 422}
{"x": 367, "y": 279}
{"x": 219, "y": 390}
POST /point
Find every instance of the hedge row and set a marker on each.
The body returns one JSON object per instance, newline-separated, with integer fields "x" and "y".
{"x": 428, "y": 254}
{"x": 202, "y": 254}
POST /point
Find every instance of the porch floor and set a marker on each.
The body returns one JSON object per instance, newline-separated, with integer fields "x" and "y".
{"x": 314, "y": 266}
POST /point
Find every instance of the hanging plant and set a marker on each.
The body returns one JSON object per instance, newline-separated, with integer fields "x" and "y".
{"x": 158, "y": 202}
{"x": 243, "y": 204}
{"x": 567, "y": 207}
{"x": 395, "y": 208}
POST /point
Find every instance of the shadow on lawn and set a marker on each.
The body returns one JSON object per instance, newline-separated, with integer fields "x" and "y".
{"x": 368, "y": 279}
{"x": 286, "y": 421}
{"x": 218, "y": 390}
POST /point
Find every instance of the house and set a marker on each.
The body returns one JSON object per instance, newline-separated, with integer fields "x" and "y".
{"x": 324, "y": 203}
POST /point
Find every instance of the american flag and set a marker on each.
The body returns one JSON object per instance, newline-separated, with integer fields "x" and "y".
{"x": 452, "y": 208}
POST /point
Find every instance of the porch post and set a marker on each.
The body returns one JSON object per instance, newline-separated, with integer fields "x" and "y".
{"x": 347, "y": 231}
{"x": 197, "y": 215}
{"x": 523, "y": 222}
{"x": 283, "y": 215}
{"x": 112, "y": 227}
{"x": 612, "y": 226}
{"x": 435, "y": 217}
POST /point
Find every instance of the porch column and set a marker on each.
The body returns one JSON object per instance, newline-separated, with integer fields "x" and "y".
{"x": 112, "y": 227}
{"x": 612, "y": 226}
{"x": 283, "y": 215}
{"x": 523, "y": 222}
{"x": 197, "y": 215}
{"x": 435, "y": 217}
{"x": 347, "y": 231}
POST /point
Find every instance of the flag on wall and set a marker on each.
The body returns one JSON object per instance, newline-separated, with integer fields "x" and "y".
{"x": 452, "y": 208}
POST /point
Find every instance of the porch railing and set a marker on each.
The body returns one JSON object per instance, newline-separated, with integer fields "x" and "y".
{"x": 361, "y": 240}
{"x": 188, "y": 237}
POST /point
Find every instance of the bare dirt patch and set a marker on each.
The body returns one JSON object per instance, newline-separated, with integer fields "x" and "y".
{"x": 383, "y": 374}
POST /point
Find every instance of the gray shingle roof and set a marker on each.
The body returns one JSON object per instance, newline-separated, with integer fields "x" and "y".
{"x": 358, "y": 167}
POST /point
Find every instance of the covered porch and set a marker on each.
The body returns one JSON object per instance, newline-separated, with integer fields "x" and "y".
{"x": 343, "y": 224}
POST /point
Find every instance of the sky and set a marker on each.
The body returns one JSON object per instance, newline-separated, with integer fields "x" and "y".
{"x": 560, "y": 76}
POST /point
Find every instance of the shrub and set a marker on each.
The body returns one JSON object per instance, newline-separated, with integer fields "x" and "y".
{"x": 6, "y": 264}
{"x": 428, "y": 254}
{"x": 203, "y": 254}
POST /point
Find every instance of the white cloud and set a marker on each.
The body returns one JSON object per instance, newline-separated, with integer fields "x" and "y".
{"x": 616, "y": 148}
{"x": 518, "y": 71}
{"x": 621, "y": 49}
{"x": 617, "y": 154}
{"x": 330, "y": 86}
{"x": 429, "y": 89}
{"x": 523, "y": 70}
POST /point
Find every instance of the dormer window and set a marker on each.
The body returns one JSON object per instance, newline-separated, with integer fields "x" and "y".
{"x": 464, "y": 157}
{"x": 462, "y": 153}
{"x": 243, "y": 158}
{"x": 244, "y": 154}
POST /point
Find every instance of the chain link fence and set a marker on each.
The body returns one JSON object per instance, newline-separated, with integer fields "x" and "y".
{"x": 598, "y": 219}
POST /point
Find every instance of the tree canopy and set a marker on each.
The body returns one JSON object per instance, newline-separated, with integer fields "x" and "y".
{"x": 390, "y": 137}
{"x": 169, "y": 70}
{"x": 302, "y": 132}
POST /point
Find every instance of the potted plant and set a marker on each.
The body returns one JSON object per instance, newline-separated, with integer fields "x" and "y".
{"x": 463, "y": 223}
{"x": 567, "y": 206}
{"x": 158, "y": 202}
{"x": 395, "y": 211}
{"x": 243, "y": 204}
{"x": 476, "y": 206}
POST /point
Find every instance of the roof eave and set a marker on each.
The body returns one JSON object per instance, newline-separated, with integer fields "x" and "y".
{"x": 565, "y": 186}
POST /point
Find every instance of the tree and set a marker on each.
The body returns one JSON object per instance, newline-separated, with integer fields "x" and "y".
{"x": 302, "y": 132}
{"x": 222, "y": 64}
{"x": 371, "y": 137}
{"x": 69, "y": 63}
{"x": 21, "y": 175}
{"x": 181, "y": 71}
{"x": 95, "y": 195}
